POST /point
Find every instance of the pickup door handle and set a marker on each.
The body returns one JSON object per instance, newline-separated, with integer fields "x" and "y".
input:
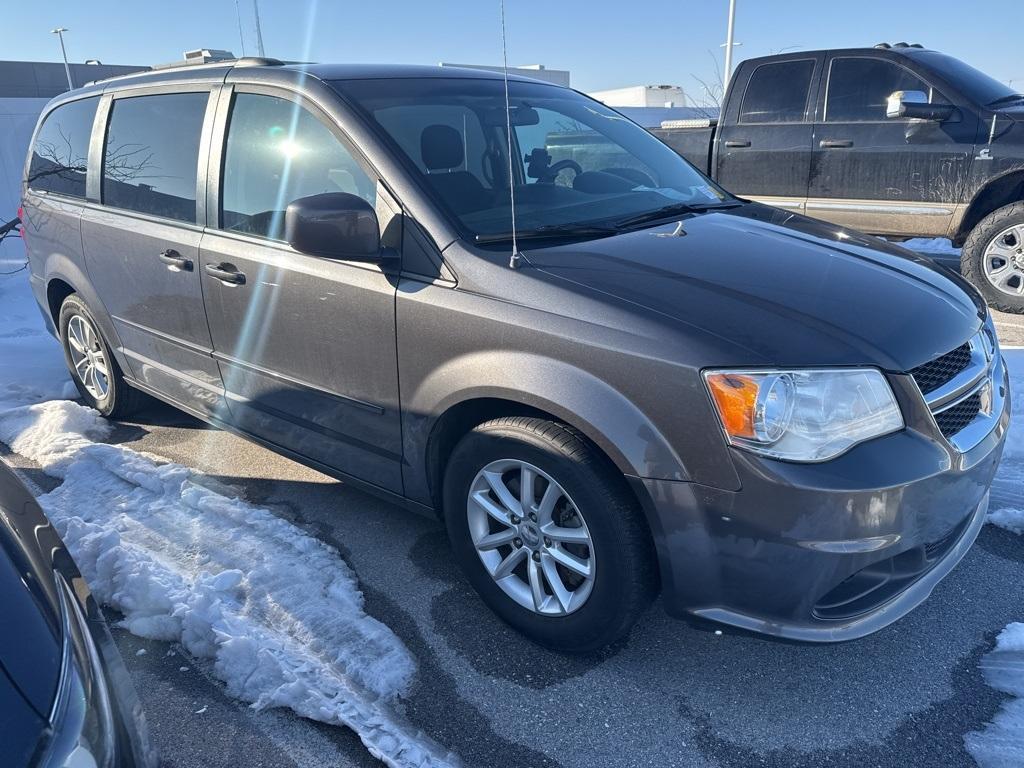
{"x": 835, "y": 143}
{"x": 175, "y": 261}
{"x": 226, "y": 273}
{"x": 737, "y": 143}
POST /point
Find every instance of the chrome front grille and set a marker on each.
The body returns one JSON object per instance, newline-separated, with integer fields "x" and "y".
{"x": 960, "y": 389}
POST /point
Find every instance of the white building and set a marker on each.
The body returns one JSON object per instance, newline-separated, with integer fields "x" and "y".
{"x": 642, "y": 96}
{"x": 536, "y": 71}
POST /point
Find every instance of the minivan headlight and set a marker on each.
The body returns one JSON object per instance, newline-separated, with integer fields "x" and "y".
{"x": 803, "y": 415}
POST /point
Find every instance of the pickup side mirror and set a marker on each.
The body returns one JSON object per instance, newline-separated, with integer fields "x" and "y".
{"x": 335, "y": 225}
{"x": 914, "y": 104}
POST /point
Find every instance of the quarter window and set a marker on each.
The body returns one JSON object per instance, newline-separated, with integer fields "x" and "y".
{"x": 60, "y": 155}
{"x": 151, "y": 155}
{"x": 277, "y": 152}
{"x": 858, "y": 89}
{"x": 777, "y": 93}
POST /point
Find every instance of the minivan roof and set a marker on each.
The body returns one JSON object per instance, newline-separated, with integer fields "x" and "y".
{"x": 218, "y": 69}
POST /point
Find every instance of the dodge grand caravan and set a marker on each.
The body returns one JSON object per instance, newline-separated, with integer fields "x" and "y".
{"x": 781, "y": 424}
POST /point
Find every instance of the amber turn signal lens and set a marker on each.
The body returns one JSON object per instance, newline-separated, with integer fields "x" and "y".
{"x": 735, "y": 396}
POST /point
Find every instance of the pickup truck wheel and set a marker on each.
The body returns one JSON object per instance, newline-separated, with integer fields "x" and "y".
{"x": 546, "y": 530}
{"x": 93, "y": 369}
{"x": 993, "y": 258}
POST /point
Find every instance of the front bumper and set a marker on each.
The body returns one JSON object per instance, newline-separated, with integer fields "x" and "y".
{"x": 831, "y": 551}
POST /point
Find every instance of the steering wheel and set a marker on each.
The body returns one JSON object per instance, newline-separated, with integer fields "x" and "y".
{"x": 561, "y": 165}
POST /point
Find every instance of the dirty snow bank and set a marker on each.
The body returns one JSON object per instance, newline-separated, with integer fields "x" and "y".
{"x": 1001, "y": 743}
{"x": 279, "y": 612}
{"x": 929, "y": 245}
{"x": 31, "y": 362}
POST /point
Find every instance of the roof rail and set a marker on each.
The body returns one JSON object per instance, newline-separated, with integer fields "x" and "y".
{"x": 216, "y": 56}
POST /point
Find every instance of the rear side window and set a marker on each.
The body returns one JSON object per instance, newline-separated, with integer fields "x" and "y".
{"x": 777, "y": 93}
{"x": 60, "y": 155}
{"x": 277, "y": 152}
{"x": 151, "y": 154}
{"x": 858, "y": 88}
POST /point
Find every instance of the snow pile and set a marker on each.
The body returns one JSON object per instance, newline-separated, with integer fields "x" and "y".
{"x": 1001, "y": 743}
{"x": 1011, "y": 473}
{"x": 930, "y": 245}
{"x": 279, "y": 612}
{"x": 31, "y": 361}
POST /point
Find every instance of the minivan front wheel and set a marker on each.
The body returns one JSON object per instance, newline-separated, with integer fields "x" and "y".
{"x": 90, "y": 363}
{"x": 547, "y": 532}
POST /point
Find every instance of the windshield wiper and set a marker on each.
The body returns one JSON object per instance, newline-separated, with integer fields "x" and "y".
{"x": 1006, "y": 99}
{"x": 675, "y": 209}
{"x": 548, "y": 232}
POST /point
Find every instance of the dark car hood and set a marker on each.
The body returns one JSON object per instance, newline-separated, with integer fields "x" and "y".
{"x": 782, "y": 289}
{"x": 31, "y": 641}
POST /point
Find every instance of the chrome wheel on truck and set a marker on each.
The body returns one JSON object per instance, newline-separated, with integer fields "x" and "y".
{"x": 993, "y": 258}
{"x": 1004, "y": 261}
{"x": 531, "y": 537}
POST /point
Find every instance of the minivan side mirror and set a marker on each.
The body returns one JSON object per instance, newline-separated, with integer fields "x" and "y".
{"x": 914, "y": 104}
{"x": 335, "y": 225}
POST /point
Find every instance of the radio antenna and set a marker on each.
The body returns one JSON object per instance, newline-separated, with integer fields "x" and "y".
{"x": 514, "y": 260}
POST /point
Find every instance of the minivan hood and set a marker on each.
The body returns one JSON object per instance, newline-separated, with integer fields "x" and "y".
{"x": 782, "y": 288}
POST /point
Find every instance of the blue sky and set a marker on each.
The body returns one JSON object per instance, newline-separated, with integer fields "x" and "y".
{"x": 604, "y": 44}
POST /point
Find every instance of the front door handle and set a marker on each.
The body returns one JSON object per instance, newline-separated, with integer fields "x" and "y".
{"x": 175, "y": 261}
{"x": 835, "y": 143}
{"x": 737, "y": 143}
{"x": 226, "y": 273}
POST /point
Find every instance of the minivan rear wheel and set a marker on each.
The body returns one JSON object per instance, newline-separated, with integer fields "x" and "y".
{"x": 544, "y": 527}
{"x": 92, "y": 367}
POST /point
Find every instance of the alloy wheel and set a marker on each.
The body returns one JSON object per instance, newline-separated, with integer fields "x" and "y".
{"x": 531, "y": 537}
{"x": 87, "y": 357}
{"x": 1004, "y": 261}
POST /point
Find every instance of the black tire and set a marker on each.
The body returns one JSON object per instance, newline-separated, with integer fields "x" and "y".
{"x": 972, "y": 256}
{"x": 120, "y": 400}
{"x": 625, "y": 575}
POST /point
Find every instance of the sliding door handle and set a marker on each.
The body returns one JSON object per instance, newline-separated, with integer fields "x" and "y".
{"x": 835, "y": 143}
{"x": 737, "y": 143}
{"x": 175, "y": 261}
{"x": 226, "y": 273}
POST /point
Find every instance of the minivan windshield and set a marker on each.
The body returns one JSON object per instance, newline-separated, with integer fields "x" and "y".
{"x": 579, "y": 168}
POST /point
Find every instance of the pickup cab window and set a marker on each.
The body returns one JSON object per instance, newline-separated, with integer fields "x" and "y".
{"x": 777, "y": 93}
{"x": 858, "y": 88}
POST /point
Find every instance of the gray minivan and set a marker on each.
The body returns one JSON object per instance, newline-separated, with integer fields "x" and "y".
{"x": 628, "y": 380}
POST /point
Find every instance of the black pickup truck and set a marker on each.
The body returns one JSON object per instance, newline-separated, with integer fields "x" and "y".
{"x": 893, "y": 140}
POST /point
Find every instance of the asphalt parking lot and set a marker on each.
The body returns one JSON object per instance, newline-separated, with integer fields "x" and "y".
{"x": 676, "y": 693}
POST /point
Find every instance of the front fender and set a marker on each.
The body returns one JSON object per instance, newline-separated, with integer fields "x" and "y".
{"x": 576, "y": 397}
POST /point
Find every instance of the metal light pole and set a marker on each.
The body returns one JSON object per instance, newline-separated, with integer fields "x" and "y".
{"x": 259, "y": 30}
{"x": 728, "y": 41}
{"x": 59, "y": 32}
